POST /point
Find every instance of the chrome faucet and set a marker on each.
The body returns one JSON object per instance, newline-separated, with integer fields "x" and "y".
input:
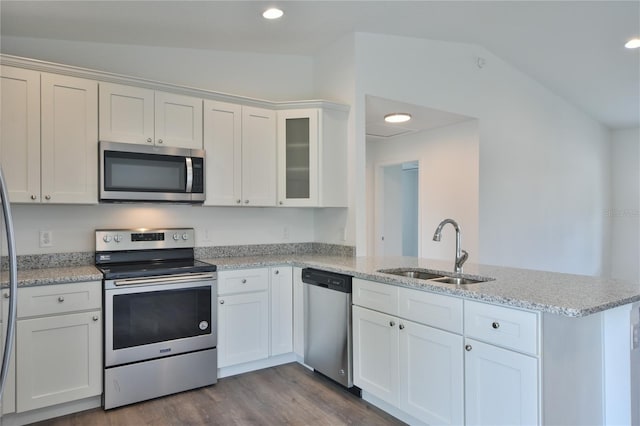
{"x": 461, "y": 255}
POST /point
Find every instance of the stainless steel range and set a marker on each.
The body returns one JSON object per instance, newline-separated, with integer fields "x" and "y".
{"x": 160, "y": 330}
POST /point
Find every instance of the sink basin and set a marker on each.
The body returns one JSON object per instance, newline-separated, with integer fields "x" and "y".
{"x": 458, "y": 280}
{"x": 420, "y": 274}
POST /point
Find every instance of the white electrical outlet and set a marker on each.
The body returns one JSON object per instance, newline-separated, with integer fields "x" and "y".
{"x": 46, "y": 239}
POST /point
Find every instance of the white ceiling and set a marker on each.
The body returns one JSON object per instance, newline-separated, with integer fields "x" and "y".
{"x": 575, "y": 48}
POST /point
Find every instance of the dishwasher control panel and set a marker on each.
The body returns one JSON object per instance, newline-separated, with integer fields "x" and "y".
{"x": 331, "y": 280}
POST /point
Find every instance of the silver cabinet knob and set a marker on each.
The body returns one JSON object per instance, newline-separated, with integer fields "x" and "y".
{"x": 149, "y": 140}
{"x": 238, "y": 201}
{"x": 392, "y": 323}
{"x": 244, "y": 281}
{"x": 276, "y": 272}
{"x": 280, "y": 203}
{"x": 6, "y": 295}
{"x": 468, "y": 348}
{"x": 495, "y": 325}
{"x": 33, "y": 197}
{"x": 246, "y": 201}
{"x": 47, "y": 197}
{"x": 95, "y": 318}
{"x": 401, "y": 326}
{"x": 61, "y": 299}
{"x": 159, "y": 140}
{"x": 222, "y": 302}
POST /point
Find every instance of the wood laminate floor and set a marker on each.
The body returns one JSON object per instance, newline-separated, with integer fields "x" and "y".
{"x": 288, "y": 394}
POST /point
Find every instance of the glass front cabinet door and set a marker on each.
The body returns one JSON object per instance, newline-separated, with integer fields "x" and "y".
{"x": 298, "y": 157}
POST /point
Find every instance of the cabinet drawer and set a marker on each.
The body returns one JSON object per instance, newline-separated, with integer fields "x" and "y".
{"x": 243, "y": 281}
{"x": 59, "y": 298}
{"x": 376, "y": 296}
{"x": 431, "y": 309}
{"x": 506, "y": 327}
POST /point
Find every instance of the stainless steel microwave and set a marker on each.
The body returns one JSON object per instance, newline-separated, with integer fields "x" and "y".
{"x": 131, "y": 172}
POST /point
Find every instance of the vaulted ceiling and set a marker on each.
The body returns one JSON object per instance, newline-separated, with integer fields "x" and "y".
{"x": 574, "y": 48}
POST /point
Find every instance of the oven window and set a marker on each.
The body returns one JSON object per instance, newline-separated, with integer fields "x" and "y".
{"x": 135, "y": 172}
{"x": 158, "y": 316}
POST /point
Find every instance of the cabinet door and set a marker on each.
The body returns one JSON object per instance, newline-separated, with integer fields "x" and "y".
{"x": 501, "y": 386}
{"x": 178, "y": 121}
{"x": 126, "y": 114}
{"x": 431, "y": 365}
{"x": 59, "y": 359}
{"x": 20, "y": 133}
{"x": 298, "y": 313}
{"x": 281, "y": 310}
{"x": 258, "y": 157}
{"x": 223, "y": 147}
{"x": 243, "y": 328}
{"x": 69, "y": 139}
{"x": 298, "y": 157}
{"x": 375, "y": 353}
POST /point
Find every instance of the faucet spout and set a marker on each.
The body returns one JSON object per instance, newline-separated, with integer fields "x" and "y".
{"x": 461, "y": 255}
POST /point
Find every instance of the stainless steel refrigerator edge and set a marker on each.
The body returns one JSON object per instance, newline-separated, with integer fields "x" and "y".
{"x": 327, "y": 329}
{"x": 13, "y": 283}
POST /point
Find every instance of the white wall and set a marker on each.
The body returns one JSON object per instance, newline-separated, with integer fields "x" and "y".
{"x": 543, "y": 163}
{"x": 270, "y": 77}
{"x": 410, "y": 212}
{"x": 73, "y": 227}
{"x": 448, "y": 183}
{"x": 625, "y": 204}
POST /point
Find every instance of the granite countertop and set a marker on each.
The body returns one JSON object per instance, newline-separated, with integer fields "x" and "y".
{"x": 556, "y": 293}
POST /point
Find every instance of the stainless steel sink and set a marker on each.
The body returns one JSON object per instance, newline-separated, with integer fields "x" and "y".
{"x": 419, "y": 274}
{"x": 428, "y": 275}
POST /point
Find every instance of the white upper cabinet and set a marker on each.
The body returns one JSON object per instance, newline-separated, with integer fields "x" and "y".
{"x": 69, "y": 144}
{"x": 240, "y": 146}
{"x": 223, "y": 148}
{"x": 143, "y": 116}
{"x": 20, "y": 133}
{"x": 49, "y": 137}
{"x": 258, "y": 157}
{"x": 312, "y": 157}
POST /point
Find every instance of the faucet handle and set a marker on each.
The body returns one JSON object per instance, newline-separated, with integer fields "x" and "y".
{"x": 463, "y": 258}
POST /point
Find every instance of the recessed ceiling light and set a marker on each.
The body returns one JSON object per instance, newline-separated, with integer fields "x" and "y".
{"x": 397, "y": 117}
{"x": 272, "y": 13}
{"x": 634, "y": 43}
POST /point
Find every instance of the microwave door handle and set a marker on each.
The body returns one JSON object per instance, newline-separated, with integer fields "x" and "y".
{"x": 189, "y": 174}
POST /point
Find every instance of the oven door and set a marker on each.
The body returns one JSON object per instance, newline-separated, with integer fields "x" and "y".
{"x": 155, "y": 317}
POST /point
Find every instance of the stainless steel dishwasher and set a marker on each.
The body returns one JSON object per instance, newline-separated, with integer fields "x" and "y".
{"x": 327, "y": 324}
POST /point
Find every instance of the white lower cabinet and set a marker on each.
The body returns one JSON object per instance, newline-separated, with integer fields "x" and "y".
{"x": 58, "y": 347}
{"x": 501, "y": 386}
{"x": 255, "y": 314}
{"x": 410, "y": 365}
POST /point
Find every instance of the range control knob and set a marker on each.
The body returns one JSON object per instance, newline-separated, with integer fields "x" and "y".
{"x": 106, "y": 238}
{"x": 176, "y": 237}
{"x": 117, "y": 238}
{"x": 185, "y": 236}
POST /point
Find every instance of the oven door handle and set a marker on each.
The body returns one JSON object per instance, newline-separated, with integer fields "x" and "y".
{"x": 165, "y": 279}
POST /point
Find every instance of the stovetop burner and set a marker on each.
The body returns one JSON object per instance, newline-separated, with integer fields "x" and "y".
{"x": 134, "y": 253}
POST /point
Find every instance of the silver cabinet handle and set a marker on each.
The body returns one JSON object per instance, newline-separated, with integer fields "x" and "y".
{"x": 95, "y": 318}
{"x": 468, "y": 348}
{"x": 495, "y": 325}
{"x": 401, "y": 326}
{"x": 6, "y": 295}
{"x": 244, "y": 281}
{"x": 159, "y": 140}
{"x": 392, "y": 323}
{"x": 276, "y": 272}
{"x": 246, "y": 201}
{"x": 280, "y": 203}
{"x": 238, "y": 201}
{"x": 149, "y": 140}
{"x": 61, "y": 299}
{"x": 33, "y": 197}
{"x": 47, "y": 197}
{"x": 222, "y": 302}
